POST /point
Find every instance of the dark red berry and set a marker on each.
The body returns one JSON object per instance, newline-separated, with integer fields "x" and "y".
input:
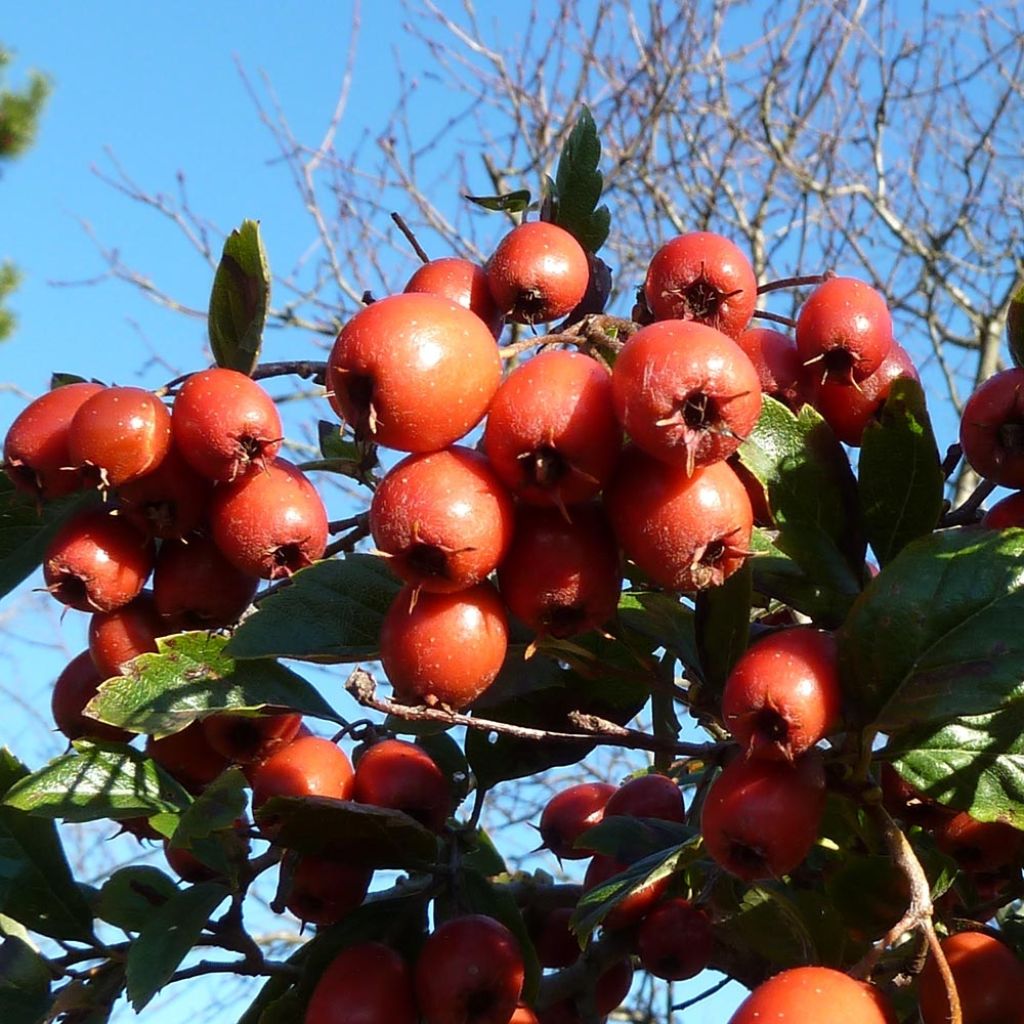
{"x": 118, "y": 636}
{"x": 648, "y": 796}
{"x": 171, "y": 501}
{"x": 75, "y": 687}
{"x": 462, "y": 282}
{"x": 569, "y": 813}
{"x": 675, "y": 940}
{"x": 404, "y": 777}
{"x": 992, "y": 429}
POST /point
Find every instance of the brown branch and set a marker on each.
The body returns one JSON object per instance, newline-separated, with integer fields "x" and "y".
{"x": 412, "y": 239}
{"x": 970, "y": 510}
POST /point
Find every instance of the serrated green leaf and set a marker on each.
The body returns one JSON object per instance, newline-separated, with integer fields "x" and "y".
{"x": 129, "y": 898}
{"x": 593, "y": 232}
{"x": 579, "y": 183}
{"x": 239, "y": 300}
{"x": 900, "y": 475}
{"x": 936, "y": 635}
{"x": 164, "y": 942}
{"x": 97, "y": 781}
{"x": 193, "y": 675}
{"x": 769, "y": 923}
{"x": 511, "y": 202}
{"x": 218, "y": 807}
{"x": 331, "y": 612}
{"x": 722, "y": 621}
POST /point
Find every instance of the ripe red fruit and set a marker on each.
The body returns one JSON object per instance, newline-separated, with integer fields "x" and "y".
{"x": 323, "y": 891}
{"x": 186, "y": 865}
{"x": 629, "y": 910}
{"x": 404, "y": 777}
{"x": 813, "y": 995}
{"x": 783, "y": 694}
{"x": 308, "y": 766}
{"x": 171, "y": 501}
{"x": 196, "y": 587}
{"x": 844, "y": 330}
{"x": 779, "y": 367}
{"x": 551, "y": 432}
{"x": 444, "y": 518}
{"x": 685, "y": 393}
{"x": 464, "y": 283}
{"x": 97, "y": 562}
{"x": 524, "y": 1015}
{"x": 36, "y": 455}
{"x": 569, "y": 813}
{"x": 188, "y": 757}
{"x": 364, "y": 984}
{"x": 1006, "y": 513}
{"x": 553, "y": 940}
{"x": 413, "y": 372}
{"x": 992, "y": 429}
{"x": 562, "y": 578}
{"x": 243, "y": 739}
{"x": 469, "y": 971}
{"x": 225, "y": 424}
{"x": 760, "y": 818}
{"x": 989, "y": 979}
{"x": 119, "y": 434}
{"x": 848, "y": 409}
{"x": 538, "y": 273}
{"x": 75, "y": 687}
{"x": 118, "y": 636}
{"x": 610, "y": 989}
{"x": 269, "y": 524}
{"x": 648, "y": 796}
{"x": 979, "y": 845}
{"x": 702, "y": 277}
{"x": 443, "y": 648}
{"x": 685, "y": 532}
{"x": 675, "y": 940}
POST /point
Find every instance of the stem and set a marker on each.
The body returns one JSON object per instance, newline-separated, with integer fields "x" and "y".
{"x": 968, "y": 511}
{"x": 410, "y": 237}
{"x": 304, "y": 368}
{"x": 338, "y": 525}
{"x": 776, "y": 318}
{"x": 717, "y": 987}
{"x": 953, "y": 455}
{"x": 794, "y": 282}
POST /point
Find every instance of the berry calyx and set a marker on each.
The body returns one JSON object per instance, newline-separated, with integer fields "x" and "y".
{"x": 245, "y": 739}
{"x": 170, "y": 502}
{"x": 779, "y": 367}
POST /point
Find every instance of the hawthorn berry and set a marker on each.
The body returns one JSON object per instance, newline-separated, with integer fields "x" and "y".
{"x": 118, "y": 636}
{"x": 1005, "y": 513}
{"x": 992, "y": 429}
{"x": 188, "y": 757}
{"x": 569, "y": 813}
{"x": 702, "y": 277}
{"x": 629, "y": 910}
{"x": 463, "y": 282}
{"x": 308, "y": 766}
{"x": 779, "y": 368}
{"x": 979, "y": 845}
{"x": 368, "y": 983}
{"x": 75, "y": 687}
{"x": 553, "y": 939}
{"x": 814, "y": 995}
{"x": 675, "y": 940}
{"x": 648, "y": 796}
{"x": 323, "y": 891}
{"x": 245, "y": 739}
{"x": 403, "y": 776}
{"x": 171, "y": 501}
{"x": 609, "y": 990}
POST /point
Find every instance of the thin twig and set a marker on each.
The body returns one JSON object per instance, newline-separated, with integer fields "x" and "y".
{"x": 412, "y": 239}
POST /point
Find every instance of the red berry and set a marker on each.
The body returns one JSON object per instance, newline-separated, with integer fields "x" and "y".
{"x": 685, "y": 532}
{"x": 553, "y": 939}
{"x": 364, "y": 984}
{"x": 413, "y": 372}
{"x": 648, "y": 796}
{"x": 36, "y": 455}
{"x": 462, "y": 282}
{"x": 779, "y": 368}
{"x": 269, "y": 524}
{"x": 324, "y": 891}
{"x": 569, "y": 813}
{"x": 561, "y": 578}
{"x": 813, "y": 995}
{"x": 188, "y": 757}
{"x": 443, "y": 648}
{"x": 629, "y": 910}
{"x": 119, "y": 434}
{"x": 186, "y": 865}
{"x": 979, "y": 845}
{"x": 97, "y": 562}
{"x": 703, "y": 277}
{"x": 225, "y": 424}
{"x": 1006, "y": 513}
{"x": 75, "y": 687}
{"x": 171, "y": 501}
{"x": 444, "y": 518}
{"x": 610, "y": 989}
{"x": 118, "y": 636}
{"x": 760, "y": 818}
{"x": 404, "y": 777}
{"x": 783, "y": 694}
{"x": 675, "y": 940}
{"x": 685, "y": 393}
{"x": 244, "y": 739}
{"x": 844, "y": 330}
{"x": 538, "y": 273}
{"x": 992, "y": 429}
{"x": 469, "y": 971}
{"x": 308, "y": 766}
{"x": 523, "y": 1015}
{"x": 551, "y": 432}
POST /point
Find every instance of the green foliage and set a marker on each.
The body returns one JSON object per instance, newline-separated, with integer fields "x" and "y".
{"x": 578, "y": 185}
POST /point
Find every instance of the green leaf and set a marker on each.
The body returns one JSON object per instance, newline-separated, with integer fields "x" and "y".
{"x": 129, "y": 898}
{"x": 629, "y": 839}
{"x": 375, "y": 837}
{"x": 171, "y": 933}
{"x": 1015, "y": 327}
{"x": 97, "y": 781}
{"x": 331, "y": 612}
{"x": 356, "y": 459}
{"x": 769, "y": 923}
{"x": 511, "y": 202}
{"x": 664, "y": 619}
{"x": 37, "y": 888}
{"x": 722, "y": 619}
{"x": 901, "y": 480}
{"x": 191, "y": 676}
{"x": 485, "y": 857}
{"x": 869, "y": 892}
{"x": 22, "y": 967}
{"x": 218, "y": 807}
{"x": 23, "y": 1006}
{"x": 936, "y": 635}
{"x": 239, "y": 300}
{"x": 578, "y": 183}
{"x": 59, "y": 380}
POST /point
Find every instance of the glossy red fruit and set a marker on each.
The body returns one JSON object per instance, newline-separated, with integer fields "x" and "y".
{"x": 783, "y": 694}
{"x": 552, "y": 434}
{"x": 523, "y": 1015}
{"x": 760, "y": 818}
{"x": 36, "y": 455}
{"x": 308, "y": 766}
{"x": 269, "y": 524}
{"x": 75, "y": 687}
{"x": 553, "y": 939}
{"x": 685, "y": 393}
{"x": 685, "y": 532}
{"x": 225, "y": 424}
{"x": 992, "y": 429}
{"x": 980, "y": 845}
{"x": 118, "y": 636}
{"x": 196, "y": 587}
{"x": 464, "y": 283}
{"x": 324, "y": 891}
{"x": 989, "y": 980}
{"x": 119, "y": 434}
{"x": 629, "y": 910}
{"x": 171, "y": 501}
{"x": 97, "y": 562}
{"x": 844, "y": 330}
{"x": 538, "y": 273}
{"x": 1006, "y": 513}
{"x": 444, "y": 518}
{"x": 244, "y": 739}
{"x": 702, "y": 277}
{"x": 569, "y": 813}
{"x": 444, "y": 648}
{"x": 414, "y": 372}
{"x": 813, "y": 995}
{"x": 404, "y": 777}
{"x": 188, "y": 757}
{"x": 469, "y": 971}
{"x": 364, "y": 984}
{"x": 779, "y": 367}
{"x": 648, "y": 796}
{"x": 562, "y": 578}
{"x": 675, "y": 940}
{"x": 848, "y": 409}
{"x": 610, "y": 989}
